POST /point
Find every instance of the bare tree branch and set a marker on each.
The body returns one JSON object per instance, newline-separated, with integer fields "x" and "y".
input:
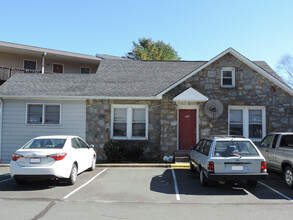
{"x": 285, "y": 68}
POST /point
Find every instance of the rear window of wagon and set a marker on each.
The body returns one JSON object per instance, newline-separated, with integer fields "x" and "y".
{"x": 237, "y": 148}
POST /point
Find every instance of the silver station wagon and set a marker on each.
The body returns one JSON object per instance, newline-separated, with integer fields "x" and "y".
{"x": 224, "y": 159}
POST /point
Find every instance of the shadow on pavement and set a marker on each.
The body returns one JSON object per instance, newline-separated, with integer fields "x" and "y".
{"x": 33, "y": 185}
{"x": 188, "y": 184}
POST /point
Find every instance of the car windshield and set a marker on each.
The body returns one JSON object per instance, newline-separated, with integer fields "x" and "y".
{"x": 46, "y": 143}
{"x": 234, "y": 148}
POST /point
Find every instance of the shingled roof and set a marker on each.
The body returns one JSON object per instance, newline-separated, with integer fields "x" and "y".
{"x": 137, "y": 79}
{"x": 117, "y": 79}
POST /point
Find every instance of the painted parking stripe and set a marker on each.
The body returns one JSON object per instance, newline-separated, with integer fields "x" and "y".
{"x": 281, "y": 194}
{"x": 65, "y": 197}
{"x": 2, "y": 181}
{"x": 175, "y": 185}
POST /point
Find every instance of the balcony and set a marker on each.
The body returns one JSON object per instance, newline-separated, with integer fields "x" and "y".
{"x": 7, "y": 72}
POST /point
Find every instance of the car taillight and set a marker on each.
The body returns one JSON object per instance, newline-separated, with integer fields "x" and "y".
{"x": 263, "y": 168}
{"x": 57, "y": 157}
{"x": 16, "y": 156}
{"x": 211, "y": 167}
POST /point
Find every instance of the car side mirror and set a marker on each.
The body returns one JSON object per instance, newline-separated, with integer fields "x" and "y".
{"x": 192, "y": 147}
{"x": 92, "y": 146}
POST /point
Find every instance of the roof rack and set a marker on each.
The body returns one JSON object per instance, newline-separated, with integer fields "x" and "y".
{"x": 229, "y": 136}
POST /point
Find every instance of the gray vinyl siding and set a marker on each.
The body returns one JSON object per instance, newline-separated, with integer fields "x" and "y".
{"x": 15, "y": 132}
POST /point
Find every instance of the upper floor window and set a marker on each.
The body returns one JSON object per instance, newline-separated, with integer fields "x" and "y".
{"x": 43, "y": 114}
{"x": 58, "y": 68}
{"x": 129, "y": 122}
{"x": 228, "y": 77}
{"x": 85, "y": 70}
{"x": 29, "y": 65}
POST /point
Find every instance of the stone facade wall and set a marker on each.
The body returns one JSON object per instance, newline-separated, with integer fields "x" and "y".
{"x": 251, "y": 89}
{"x": 168, "y": 126}
{"x": 99, "y": 126}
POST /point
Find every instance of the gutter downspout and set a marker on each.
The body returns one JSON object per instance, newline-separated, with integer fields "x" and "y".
{"x": 1, "y": 111}
{"x": 43, "y": 63}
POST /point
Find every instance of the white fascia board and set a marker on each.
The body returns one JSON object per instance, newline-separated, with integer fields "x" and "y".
{"x": 261, "y": 71}
{"x": 240, "y": 57}
{"x": 48, "y": 51}
{"x": 190, "y": 95}
{"x": 78, "y": 97}
{"x": 193, "y": 73}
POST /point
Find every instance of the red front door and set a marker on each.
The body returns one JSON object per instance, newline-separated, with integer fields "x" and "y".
{"x": 187, "y": 128}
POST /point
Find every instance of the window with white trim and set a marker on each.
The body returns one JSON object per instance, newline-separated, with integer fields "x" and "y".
{"x": 255, "y": 123}
{"x": 228, "y": 77}
{"x": 247, "y": 121}
{"x": 236, "y": 122}
{"x": 43, "y": 114}
{"x": 129, "y": 122}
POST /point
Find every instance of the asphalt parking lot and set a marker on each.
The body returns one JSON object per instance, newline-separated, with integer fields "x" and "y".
{"x": 143, "y": 193}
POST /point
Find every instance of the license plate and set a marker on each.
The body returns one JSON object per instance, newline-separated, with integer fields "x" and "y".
{"x": 35, "y": 160}
{"x": 237, "y": 167}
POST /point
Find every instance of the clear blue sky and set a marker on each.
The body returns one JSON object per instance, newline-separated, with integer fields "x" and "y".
{"x": 196, "y": 29}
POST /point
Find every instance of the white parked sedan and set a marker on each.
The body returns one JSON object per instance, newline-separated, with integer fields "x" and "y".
{"x": 50, "y": 157}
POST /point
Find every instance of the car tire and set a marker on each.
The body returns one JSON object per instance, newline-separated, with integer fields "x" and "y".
{"x": 19, "y": 181}
{"x": 192, "y": 169}
{"x": 202, "y": 178}
{"x": 93, "y": 164}
{"x": 251, "y": 183}
{"x": 288, "y": 176}
{"x": 73, "y": 175}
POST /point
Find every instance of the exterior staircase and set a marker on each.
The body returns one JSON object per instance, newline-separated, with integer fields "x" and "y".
{"x": 182, "y": 156}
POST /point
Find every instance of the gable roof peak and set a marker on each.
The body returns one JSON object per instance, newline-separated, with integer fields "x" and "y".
{"x": 243, "y": 59}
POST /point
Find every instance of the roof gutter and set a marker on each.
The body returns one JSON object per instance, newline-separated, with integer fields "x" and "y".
{"x": 81, "y": 97}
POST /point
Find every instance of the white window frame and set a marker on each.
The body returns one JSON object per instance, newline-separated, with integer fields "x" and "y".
{"x": 32, "y": 61}
{"x": 129, "y": 120}
{"x": 85, "y": 67}
{"x": 43, "y": 114}
{"x": 233, "y": 77}
{"x": 245, "y": 119}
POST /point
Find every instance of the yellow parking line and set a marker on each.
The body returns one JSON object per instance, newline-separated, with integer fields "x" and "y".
{"x": 180, "y": 166}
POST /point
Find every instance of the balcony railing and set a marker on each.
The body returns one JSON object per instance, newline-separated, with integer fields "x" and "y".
{"x": 7, "y": 72}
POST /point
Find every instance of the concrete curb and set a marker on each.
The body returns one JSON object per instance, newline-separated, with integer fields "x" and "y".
{"x": 4, "y": 165}
{"x": 149, "y": 165}
{"x": 138, "y": 165}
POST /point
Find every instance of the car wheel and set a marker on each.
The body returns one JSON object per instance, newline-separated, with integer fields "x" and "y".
{"x": 191, "y": 166}
{"x": 251, "y": 183}
{"x": 19, "y": 181}
{"x": 73, "y": 175}
{"x": 93, "y": 164}
{"x": 288, "y": 175}
{"x": 202, "y": 178}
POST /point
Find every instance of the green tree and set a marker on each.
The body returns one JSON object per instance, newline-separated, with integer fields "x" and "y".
{"x": 146, "y": 49}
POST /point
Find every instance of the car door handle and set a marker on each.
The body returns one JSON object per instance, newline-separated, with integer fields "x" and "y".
{"x": 267, "y": 150}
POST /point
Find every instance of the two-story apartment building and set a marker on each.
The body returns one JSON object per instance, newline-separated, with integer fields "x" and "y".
{"x": 16, "y": 58}
{"x": 167, "y": 105}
